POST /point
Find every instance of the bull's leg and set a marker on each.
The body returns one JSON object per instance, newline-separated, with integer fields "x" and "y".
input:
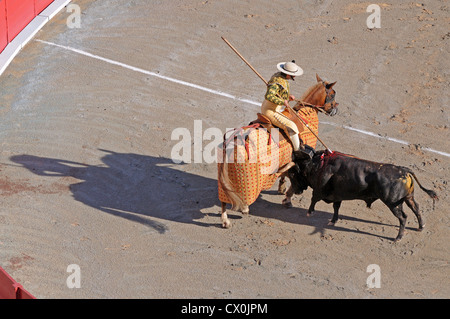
{"x": 316, "y": 197}
{"x": 336, "y": 206}
{"x": 226, "y": 223}
{"x": 400, "y": 214}
{"x": 312, "y": 206}
{"x": 415, "y": 208}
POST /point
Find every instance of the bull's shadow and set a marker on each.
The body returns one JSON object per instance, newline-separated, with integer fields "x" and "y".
{"x": 139, "y": 188}
{"x": 319, "y": 219}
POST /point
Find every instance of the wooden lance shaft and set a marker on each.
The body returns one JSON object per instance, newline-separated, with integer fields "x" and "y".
{"x": 267, "y": 83}
{"x": 246, "y": 62}
{"x": 261, "y": 77}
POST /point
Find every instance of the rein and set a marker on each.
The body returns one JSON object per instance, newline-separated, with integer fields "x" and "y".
{"x": 316, "y": 107}
{"x": 328, "y": 99}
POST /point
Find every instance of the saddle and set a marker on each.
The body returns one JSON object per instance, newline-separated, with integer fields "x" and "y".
{"x": 263, "y": 121}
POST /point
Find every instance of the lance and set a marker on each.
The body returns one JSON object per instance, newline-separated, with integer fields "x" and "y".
{"x": 291, "y": 111}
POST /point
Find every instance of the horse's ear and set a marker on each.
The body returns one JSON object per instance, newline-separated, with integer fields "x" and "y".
{"x": 318, "y": 78}
{"x": 329, "y": 86}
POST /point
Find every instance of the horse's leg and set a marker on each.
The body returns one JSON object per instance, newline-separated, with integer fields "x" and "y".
{"x": 282, "y": 185}
{"x": 284, "y": 172}
{"x": 287, "y": 200}
{"x": 245, "y": 210}
{"x": 226, "y": 223}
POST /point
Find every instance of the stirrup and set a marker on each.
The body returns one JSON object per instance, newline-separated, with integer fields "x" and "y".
{"x": 306, "y": 153}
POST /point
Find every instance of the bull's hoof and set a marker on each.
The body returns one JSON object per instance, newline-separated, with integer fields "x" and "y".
{"x": 400, "y": 235}
{"x": 420, "y": 228}
{"x": 331, "y": 223}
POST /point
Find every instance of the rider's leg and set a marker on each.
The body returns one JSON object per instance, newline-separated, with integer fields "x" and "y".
{"x": 295, "y": 140}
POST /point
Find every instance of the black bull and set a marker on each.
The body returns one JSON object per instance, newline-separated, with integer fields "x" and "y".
{"x": 335, "y": 177}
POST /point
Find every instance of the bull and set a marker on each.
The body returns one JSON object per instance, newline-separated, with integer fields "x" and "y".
{"x": 335, "y": 177}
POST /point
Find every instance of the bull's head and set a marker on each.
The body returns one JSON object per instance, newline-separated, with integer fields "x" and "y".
{"x": 297, "y": 176}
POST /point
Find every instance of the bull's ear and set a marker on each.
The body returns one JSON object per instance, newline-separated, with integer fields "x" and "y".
{"x": 329, "y": 86}
{"x": 318, "y": 78}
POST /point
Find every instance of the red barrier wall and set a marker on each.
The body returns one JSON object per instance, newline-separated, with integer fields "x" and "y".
{"x": 6, "y": 286}
{"x": 40, "y": 5}
{"x": 15, "y": 15}
{"x": 18, "y": 14}
{"x": 3, "y": 30}
{"x": 10, "y": 289}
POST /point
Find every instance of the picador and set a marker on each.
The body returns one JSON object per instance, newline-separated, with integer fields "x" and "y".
{"x": 277, "y": 99}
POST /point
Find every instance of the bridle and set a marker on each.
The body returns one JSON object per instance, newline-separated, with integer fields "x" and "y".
{"x": 330, "y": 98}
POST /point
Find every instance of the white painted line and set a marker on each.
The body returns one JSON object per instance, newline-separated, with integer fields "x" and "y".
{"x": 199, "y": 87}
{"x": 385, "y": 138}
{"x": 129, "y": 67}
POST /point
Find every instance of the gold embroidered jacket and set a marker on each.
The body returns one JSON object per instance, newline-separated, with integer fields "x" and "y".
{"x": 277, "y": 89}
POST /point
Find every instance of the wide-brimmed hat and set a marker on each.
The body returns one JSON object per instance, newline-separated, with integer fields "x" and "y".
{"x": 290, "y": 68}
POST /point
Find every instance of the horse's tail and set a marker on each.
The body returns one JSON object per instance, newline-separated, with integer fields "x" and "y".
{"x": 227, "y": 186}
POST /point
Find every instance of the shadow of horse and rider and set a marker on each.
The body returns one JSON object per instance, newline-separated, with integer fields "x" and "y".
{"x": 149, "y": 190}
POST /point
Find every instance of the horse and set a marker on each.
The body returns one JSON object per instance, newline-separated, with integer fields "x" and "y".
{"x": 253, "y": 157}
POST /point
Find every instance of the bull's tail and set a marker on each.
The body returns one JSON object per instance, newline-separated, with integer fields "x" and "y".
{"x": 225, "y": 183}
{"x": 430, "y": 193}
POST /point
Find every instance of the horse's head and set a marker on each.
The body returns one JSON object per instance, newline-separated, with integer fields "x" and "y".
{"x": 329, "y": 105}
{"x": 322, "y": 95}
